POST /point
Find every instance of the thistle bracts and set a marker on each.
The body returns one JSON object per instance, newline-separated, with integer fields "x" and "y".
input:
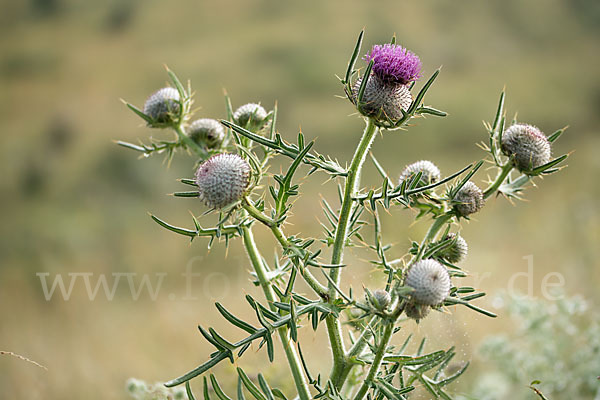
{"x": 468, "y": 200}
{"x": 527, "y": 145}
{"x": 456, "y": 249}
{"x": 430, "y": 282}
{"x": 251, "y": 116}
{"x": 206, "y": 132}
{"x": 163, "y": 107}
{"x": 429, "y": 173}
{"x": 222, "y": 180}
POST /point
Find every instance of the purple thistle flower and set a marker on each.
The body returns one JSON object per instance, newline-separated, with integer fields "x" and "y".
{"x": 394, "y": 64}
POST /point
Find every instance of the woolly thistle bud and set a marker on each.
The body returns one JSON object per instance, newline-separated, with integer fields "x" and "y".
{"x": 430, "y": 281}
{"x": 429, "y": 173}
{"x": 251, "y": 116}
{"x": 381, "y": 299}
{"x": 468, "y": 200}
{"x": 382, "y": 100}
{"x": 416, "y": 311}
{"x": 163, "y": 106}
{"x": 528, "y": 145}
{"x": 456, "y": 251}
{"x": 206, "y": 132}
{"x": 222, "y": 179}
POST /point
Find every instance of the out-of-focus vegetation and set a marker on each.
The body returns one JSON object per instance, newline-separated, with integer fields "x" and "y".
{"x": 557, "y": 343}
{"x": 72, "y": 201}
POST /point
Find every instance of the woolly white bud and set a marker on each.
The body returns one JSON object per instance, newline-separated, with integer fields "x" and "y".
{"x": 206, "y": 132}
{"x": 456, "y": 251}
{"x": 528, "y": 145}
{"x": 222, "y": 179}
{"x": 430, "y": 281}
{"x": 416, "y": 311}
{"x": 163, "y": 106}
{"x": 469, "y": 199}
{"x": 429, "y": 172}
{"x": 381, "y": 299}
{"x": 251, "y": 116}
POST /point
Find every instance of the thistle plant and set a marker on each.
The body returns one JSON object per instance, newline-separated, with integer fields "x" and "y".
{"x": 230, "y": 180}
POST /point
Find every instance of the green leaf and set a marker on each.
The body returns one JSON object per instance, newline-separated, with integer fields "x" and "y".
{"x": 234, "y": 320}
{"x": 188, "y": 391}
{"x": 265, "y": 387}
{"x": 552, "y": 138}
{"x": 252, "y": 388}
{"x": 199, "y": 370}
{"x": 353, "y": 59}
{"x": 422, "y": 92}
{"x": 363, "y": 83}
{"x": 218, "y": 391}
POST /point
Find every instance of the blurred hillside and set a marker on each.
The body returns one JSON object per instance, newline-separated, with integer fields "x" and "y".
{"x": 72, "y": 201}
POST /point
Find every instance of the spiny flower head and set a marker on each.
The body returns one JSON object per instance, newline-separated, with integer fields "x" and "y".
{"x": 163, "y": 106}
{"x": 528, "y": 145}
{"x": 468, "y": 200}
{"x": 222, "y": 179}
{"x": 251, "y": 116}
{"x": 394, "y": 64}
{"x": 381, "y": 299}
{"x": 456, "y": 251}
{"x": 416, "y": 311}
{"x": 429, "y": 172}
{"x": 430, "y": 281}
{"x": 382, "y": 100}
{"x": 206, "y": 132}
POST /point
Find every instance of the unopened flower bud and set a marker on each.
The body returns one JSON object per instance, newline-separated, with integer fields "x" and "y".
{"x": 163, "y": 106}
{"x": 381, "y": 299}
{"x": 416, "y": 311}
{"x": 468, "y": 200}
{"x": 528, "y": 145}
{"x": 222, "y": 179}
{"x": 429, "y": 173}
{"x": 456, "y": 251}
{"x": 206, "y": 132}
{"x": 430, "y": 281}
{"x": 251, "y": 116}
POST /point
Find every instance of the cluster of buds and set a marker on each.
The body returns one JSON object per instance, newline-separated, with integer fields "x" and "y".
{"x": 223, "y": 178}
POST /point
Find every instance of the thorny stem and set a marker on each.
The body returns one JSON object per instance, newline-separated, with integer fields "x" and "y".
{"x": 499, "y": 179}
{"x": 290, "y": 351}
{"x": 334, "y": 329}
{"x": 384, "y": 341}
{"x": 360, "y": 343}
{"x": 309, "y": 278}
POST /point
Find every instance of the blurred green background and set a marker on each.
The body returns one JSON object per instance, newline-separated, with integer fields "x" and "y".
{"x": 72, "y": 201}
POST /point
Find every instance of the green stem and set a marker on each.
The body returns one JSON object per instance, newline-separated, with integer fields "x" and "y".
{"x": 309, "y": 278}
{"x": 499, "y": 179}
{"x": 437, "y": 224}
{"x": 334, "y": 329}
{"x": 189, "y": 143}
{"x": 356, "y": 349}
{"x": 384, "y": 341}
{"x": 290, "y": 351}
